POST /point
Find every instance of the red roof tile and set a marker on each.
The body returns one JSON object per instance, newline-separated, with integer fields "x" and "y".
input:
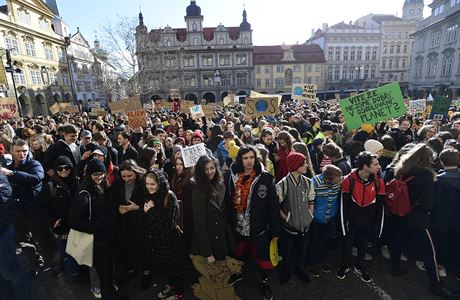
{"x": 274, "y": 54}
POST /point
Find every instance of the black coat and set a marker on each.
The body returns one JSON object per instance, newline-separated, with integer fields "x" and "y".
{"x": 165, "y": 248}
{"x": 57, "y": 149}
{"x": 446, "y": 210}
{"x": 212, "y": 234}
{"x": 131, "y": 153}
{"x": 421, "y": 190}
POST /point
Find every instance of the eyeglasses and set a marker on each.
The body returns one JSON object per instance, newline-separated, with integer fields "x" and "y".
{"x": 64, "y": 168}
{"x": 98, "y": 174}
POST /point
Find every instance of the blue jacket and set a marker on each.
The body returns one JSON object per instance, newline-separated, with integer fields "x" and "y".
{"x": 26, "y": 181}
{"x": 221, "y": 153}
{"x": 6, "y": 204}
{"x": 326, "y": 199}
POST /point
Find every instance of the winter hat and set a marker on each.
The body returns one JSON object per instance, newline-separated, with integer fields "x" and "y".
{"x": 361, "y": 136}
{"x": 326, "y": 127}
{"x": 94, "y": 166}
{"x": 233, "y": 149}
{"x": 175, "y": 149}
{"x": 373, "y": 146}
{"x": 62, "y": 161}
{"x": 100, "y": 151}
{"x": 247, "y": 128}
{"x": 180, "y": 140}
{"x": 367, "y": 128}
{"x": 317, "y": 142}
{"x": 295, "y": 160}
{"x": 313, "y": 120}
{"x": 197, "y": 134}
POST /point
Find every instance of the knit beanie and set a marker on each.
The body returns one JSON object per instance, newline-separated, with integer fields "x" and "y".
{"x": 62, "y": 161}
{"x": 373, "y": 146}
{"x": 295, "y": 160}
{"x": 367, "y": 128}
{"x": 94, "y": 166}
{"x": 175, "y": 149}
{"x": 197, "y": 134}
{"x": 247, "y": 128}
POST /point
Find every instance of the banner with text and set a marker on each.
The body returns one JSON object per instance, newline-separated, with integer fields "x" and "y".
{"x": 304, "y": 92}
{"x": 127, "y": 104}
{"x": 256, "y": 107}
{"x": 373, "y": 106}
{"x": 417, "y": 106}
{"x": 136, "y": 118}
{"x": 440, "y": 108}
{"x": 192, "y": 154}
{"x": 8, "y": 108}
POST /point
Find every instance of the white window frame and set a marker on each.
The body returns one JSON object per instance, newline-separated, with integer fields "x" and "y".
{"x": 36, "y": 77}
{"x": 30, "y": 48}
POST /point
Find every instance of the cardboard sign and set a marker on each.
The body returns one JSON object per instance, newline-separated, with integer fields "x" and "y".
{"x": 373, "y": 106}
{"x": 256, "y": 107}
{"x": 417, "y": 106}
{"x": 192, "y": 154}
{"x": 208, "y": 110}
{"x": 229, "y": 100}
{"x": 185, "y": 106}
{"x": 304, "y": 92}
{"x": 55, "y": 108}
{"x": 8, "y": 108}
{"x": 73, "y": 109}
{"x": 259, "y": 95}
{"x": 149, "y": 105}
{"x": 98, "y": 111}
{"x": 137, "y": 118}
{"x": 128, "y": 104}
{"x": 441, "y": 106}
{"x": 196, "y": 112}
{"x": 174, "y": 93}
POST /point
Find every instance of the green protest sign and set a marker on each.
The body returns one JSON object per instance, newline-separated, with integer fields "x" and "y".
{"x": 373, "y": 106}
{"x": 440, "y": 108}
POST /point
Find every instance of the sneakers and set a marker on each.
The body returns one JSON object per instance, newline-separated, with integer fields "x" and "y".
{"x": 235, "y": 278}
{"x": 314, "y": 271}
{"x": 342, "y": 272}
{"x": 420, "y": 265}
{"x": 442, "y": 271}
{"x": 325, "y": 268}
{"x": 361, "y": 271}
{"x": 267, "y": 293}
{"x": 96, "y": 292}
{"x": 385, "y": 252}
{"x": 302, "y": 275}
{"x": 403, "y": 257}
{"x": 168, "y": 291}
{"x": 367, "y": 256}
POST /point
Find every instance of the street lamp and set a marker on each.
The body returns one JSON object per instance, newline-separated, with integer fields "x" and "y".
{"x": 11, "y": 67}
{"x": 217, "y": 79}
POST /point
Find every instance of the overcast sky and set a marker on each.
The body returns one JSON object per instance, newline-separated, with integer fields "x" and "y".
{"x": 273, "y": 22}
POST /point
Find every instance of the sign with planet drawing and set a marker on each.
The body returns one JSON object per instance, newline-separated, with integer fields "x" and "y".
{"x": 257, "y": 107}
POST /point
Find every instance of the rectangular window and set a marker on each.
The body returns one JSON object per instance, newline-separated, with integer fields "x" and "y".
{"x": 258, "y": 82}
{"x": 318, "y": 68}
{"x": 352, "y": 74}
{"x": 330, "y": 54}
{"x": 43, "y": 24}
{"x": 309, "y": 68}
{"x": 373, "y": 69}
{"x": 398, "y": 49}
{"x": 241, "y": 79}
{"x": 403, "y": 64}
{"x": 49, "y": 54}
{"x": 435, "y": 39}
{"x": 267, "y": 70}
{"x": 309, "y": 80}
{"x": 384, "y": 62}
{"x": 454, "y": 3}
{"x": 360, "y": 54}
{"x": 36, "y": 77}
{"x": 374, "y": 54}
{"x": 19, "y": 78}
{"x": 258, "y": 69}
{"x": 352, "y": 54}
{"x": 451, "y": 33}
{"x": 208, "y": 81}
{"x": 241, "y": 60}
{"x": 336, "y": 74}
{"x": 62, "y": 57}
{"x": 366, "y": 73}
{"x": 189, "y": 62}
{"x": 30, "y": 49}
{"x": 317, "y": 80}
{"x": 224, "y": 60}
{"x": 53, "y": 78}
{"x": 279, "y": 69}
{"x": 405, "y": 48}
{"x": 12, "y": 43}
{"x": 65, "y": 79}
{"x": 344, "y": 74}
{"x": 279, "y": 82}
{"x": 190, "y": 81}
{"x": 208, "y": 61}
{"x": 345, "y": 54}
{"x": 267, "y": 82}
{"x": 24, "y": 16}
{"x": 329, "y": 74}
{"x": 170, "y": 63}
{"x": 297, "y": 68}
{"x": 337, "y": 54}
{"x": 367, "y": 55}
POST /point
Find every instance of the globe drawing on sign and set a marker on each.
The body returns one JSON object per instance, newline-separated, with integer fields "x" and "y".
{"x": 261, "y": 105}
{"x": 196, "y": 109}
{"x": 298, "y": 91}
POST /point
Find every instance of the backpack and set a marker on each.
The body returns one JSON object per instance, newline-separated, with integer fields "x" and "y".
{"x": 397, "y": 199}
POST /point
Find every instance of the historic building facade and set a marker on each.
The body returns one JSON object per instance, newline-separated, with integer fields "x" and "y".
{"x": 277, "y": 68}
{"x": 352, "y": 54}
{"x": 435, "y": 54}
{"x": 202, "y": 62}
{"x": 38, "y": 51}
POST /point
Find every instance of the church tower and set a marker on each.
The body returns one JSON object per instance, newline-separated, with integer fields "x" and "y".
{"x": 413, "y": 10}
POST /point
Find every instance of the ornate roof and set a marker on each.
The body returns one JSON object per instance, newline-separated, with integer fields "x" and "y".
{"x": 193, "y": 10}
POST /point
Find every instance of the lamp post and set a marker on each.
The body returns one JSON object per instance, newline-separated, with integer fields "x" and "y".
{"x": 11, "y": 68}
{"x": 358, "y": 70}
{"x": 217, "y": 79}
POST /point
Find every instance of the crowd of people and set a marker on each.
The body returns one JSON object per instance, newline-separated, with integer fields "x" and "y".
{"x": 300, "y": 177}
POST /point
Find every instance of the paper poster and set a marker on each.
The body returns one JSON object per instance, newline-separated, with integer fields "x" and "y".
{"x": 174, "y": 93}
{"x": 196, "y": 112}
{"x": 73, "y": 109}
{"x": 417, "y": 106}
{"x": 441, "y": 107}
{"x": 185, "y": 105}
{"x": 8, "y": 108}
{"x": 127, "y": 104}
{"x": 304, "y": 92}
{"x": 257, "y": 107}
{"x": 192, "y": 154}
{"x": 136, "y": 118}
{"x": 55, "y": 108}
{"x": 208, "y": 110}
{"x": 229, "y": 100}
{"x": 373, "y": 106}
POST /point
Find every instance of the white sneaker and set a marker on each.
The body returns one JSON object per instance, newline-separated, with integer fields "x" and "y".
{"x": 367, "y": 256}
{"x": 442, "y": 271}
{"x": 96, "y": 293}
{"x": 385, "y": 252}
{"x": 420, "y": 265}
{"x": 403, "y": 257}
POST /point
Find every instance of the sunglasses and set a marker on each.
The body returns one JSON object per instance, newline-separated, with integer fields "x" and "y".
{"x": 64, "y": 168}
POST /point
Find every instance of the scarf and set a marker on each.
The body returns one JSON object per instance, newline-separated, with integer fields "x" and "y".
{"x": 242, "y": 188}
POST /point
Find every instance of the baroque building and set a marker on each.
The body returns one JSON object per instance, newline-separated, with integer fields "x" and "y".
{"x": 435, "y": 55}
{"x": 202, "y": 62}
{"x": 38, "y": 52}
{"x": 277, "y": 68}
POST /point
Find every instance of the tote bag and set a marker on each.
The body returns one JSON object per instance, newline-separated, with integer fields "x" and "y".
{"x": 80, "y": 244}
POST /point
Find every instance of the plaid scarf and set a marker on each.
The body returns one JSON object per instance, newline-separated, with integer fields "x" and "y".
{"x": 242, "y": 188}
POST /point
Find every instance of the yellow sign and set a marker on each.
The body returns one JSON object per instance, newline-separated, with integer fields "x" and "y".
{"x": 127, "y": 104}
{"x": 256, "y": 107}
{"x": 304, "y": 92}
{"x": 208, "y": 110}
{"x": 8, "y": 108}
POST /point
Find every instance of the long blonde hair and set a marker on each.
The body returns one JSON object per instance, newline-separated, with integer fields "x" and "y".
{"x": 418, "y": 158}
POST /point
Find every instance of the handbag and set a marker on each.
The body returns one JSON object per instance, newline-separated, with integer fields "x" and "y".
{"x": 80, "y": 244}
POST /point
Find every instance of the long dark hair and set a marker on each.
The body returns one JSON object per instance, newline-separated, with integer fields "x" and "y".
{"x": 201, "y": 179}
{"x": 131, "y": 165}
{"x": 418, "y": 158}
{"x": 146, "y": 156}
{"x": 237, "y": 166}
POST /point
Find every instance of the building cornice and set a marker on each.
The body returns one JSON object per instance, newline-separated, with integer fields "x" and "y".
{"x": 25, "y": 30}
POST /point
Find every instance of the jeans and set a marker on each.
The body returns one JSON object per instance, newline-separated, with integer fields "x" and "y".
{"x": 294, "y": 248}
{"x": 13, "y": 267}
{"x": 70, "y": 264}
{"x": 319, "y": 235}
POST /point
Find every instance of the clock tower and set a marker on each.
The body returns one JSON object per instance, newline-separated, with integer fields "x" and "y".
{"x": 413, "y": 10}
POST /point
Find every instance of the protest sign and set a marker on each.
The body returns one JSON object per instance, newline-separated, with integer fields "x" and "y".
{"x": 337, "y": 96}
{"x": 417, "y": 106}
{"x": 259, "y": 95}
{"x": 98, "y": 111}
{"x": 192, "y": 154}
{"x": 304, "y": 92}
{"x": 174, "y": 93}
{"x": 185, "y": 106}
{"x": 208, "y": 110}
{"x": 127, "y": 104}
{"x": 196, "y": 112}
{"x": 66, "y": 107}
{"x": 136, "y": 118}
{"x": 8, "y": 108}
{"x": 256, "y": 107}
{"x": 373, "y": 106}
{"x": 55, "y": 108}
{"x": 441, "y": 107}
{"x": 229, "y": 100}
